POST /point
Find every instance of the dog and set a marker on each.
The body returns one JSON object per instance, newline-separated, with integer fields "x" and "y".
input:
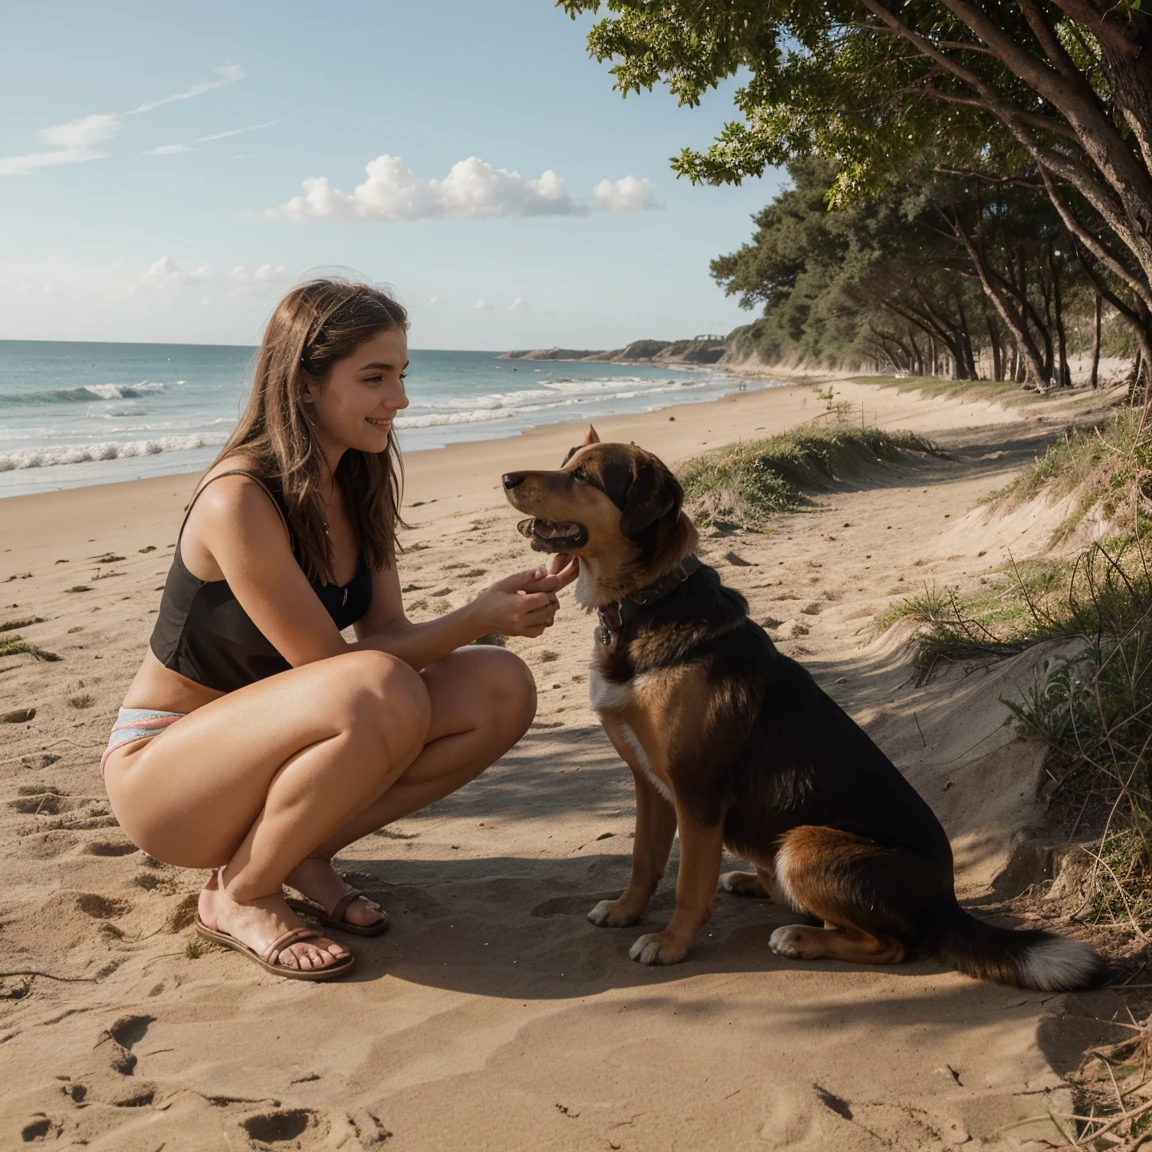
{"x": 733, "y": 744}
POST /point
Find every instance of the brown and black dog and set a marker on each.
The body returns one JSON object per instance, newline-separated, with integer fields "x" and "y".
{"x": 734, "y": 744}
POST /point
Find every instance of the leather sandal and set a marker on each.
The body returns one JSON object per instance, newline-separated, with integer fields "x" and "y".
{"x": 268, "y": 959}
{"x": 333, "y": 917}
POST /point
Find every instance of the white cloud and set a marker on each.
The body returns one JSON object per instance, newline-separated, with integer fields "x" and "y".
{"x": 74, "y": 142}
{"x": 26, "y": 165}
{"x": 518, "y": 305}
{"x": 174, "y": 149}
{"x": 161, "y": 274}
{"x": 83, "y": 133}
{"x": 433, "y": 300}
{"x": 625, "y": 195}
{"x": 228, "y": 73}
{"x": 472, "y": 190}
{"x": 483, "y": 306}
{"x": 164, "y": 273}
{"x": 265, "y": 274}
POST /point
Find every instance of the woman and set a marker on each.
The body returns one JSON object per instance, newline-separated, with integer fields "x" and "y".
{"x": 255, "y": 740}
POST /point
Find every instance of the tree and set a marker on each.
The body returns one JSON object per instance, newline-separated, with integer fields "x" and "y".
{"x": 1066, "y": 85}
{"x": 983, "y": 274}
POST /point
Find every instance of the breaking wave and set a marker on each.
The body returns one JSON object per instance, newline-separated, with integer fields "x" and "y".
{"x": 106, "y": 450}
{"x": 84, "y": 395}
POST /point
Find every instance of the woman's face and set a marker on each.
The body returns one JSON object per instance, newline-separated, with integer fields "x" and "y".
{"x": 364, "y": 392}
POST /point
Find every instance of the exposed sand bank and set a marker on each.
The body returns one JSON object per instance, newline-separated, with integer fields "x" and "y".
{"x": 493, "y": 1015}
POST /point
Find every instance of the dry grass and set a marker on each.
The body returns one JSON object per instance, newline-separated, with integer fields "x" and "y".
{"x": 743, "y": 485}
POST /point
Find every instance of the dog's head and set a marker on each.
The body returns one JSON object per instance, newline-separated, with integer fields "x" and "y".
{"x": 615, "y": 506}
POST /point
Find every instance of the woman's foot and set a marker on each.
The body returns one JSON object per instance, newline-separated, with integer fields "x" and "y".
{"x": 257, "y": 923}
{"x": 315, "y": 878}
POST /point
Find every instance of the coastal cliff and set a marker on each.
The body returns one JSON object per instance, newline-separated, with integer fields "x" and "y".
{"x": 699, "y": 350}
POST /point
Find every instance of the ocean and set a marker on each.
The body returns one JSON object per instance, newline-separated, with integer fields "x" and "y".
{"x": 73, "y": 414}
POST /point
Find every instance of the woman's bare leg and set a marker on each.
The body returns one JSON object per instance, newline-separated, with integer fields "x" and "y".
{"x": 258, "y": 779}
{"x": 483, "y": 700}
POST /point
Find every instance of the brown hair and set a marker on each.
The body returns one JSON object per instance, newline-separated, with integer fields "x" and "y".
{"x": 315, "y": 325}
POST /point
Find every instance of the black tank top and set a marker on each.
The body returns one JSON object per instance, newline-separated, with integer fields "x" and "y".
{"x": 204, "y": 634}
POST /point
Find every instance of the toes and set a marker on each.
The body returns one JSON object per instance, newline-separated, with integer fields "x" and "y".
{"x": 608, "y": 914}
{"x": 788, "y": 942}
{"x": 657, "y": 949}
{"x": 601, "y": 913}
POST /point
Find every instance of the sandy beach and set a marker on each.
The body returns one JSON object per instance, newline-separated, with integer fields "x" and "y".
{"x": 493, "y": 1015}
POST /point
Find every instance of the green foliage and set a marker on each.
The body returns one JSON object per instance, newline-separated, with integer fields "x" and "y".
{"x": 13, "y": 646}
{"x": 1108, "y": 463}
{"x": 742, "y": 485}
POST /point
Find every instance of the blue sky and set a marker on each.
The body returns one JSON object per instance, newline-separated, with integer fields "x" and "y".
{"x": 153, "y": 159}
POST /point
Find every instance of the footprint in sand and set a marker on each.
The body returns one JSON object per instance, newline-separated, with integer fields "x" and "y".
{"x": 40, "y": 1128}
{"x": 101, "y": 907}
{"x": 292, "y": 1124}
{"x": 111, "y": 848}
{"x": 123, "y": 1036}
{"x": 38, "y": 800}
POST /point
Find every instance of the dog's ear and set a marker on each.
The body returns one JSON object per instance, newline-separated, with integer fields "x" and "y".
{"x": 590, "y": 438}
{"x": 655, "y": 496}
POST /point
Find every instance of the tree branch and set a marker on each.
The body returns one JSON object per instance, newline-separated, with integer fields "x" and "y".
{"x": 1020, "y": 114}
{"x": 1083, "y": 13}
{"x": 1093, "y": 244}
{"x": 1047, "y": 40}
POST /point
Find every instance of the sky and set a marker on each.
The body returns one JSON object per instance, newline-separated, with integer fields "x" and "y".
{"x": 168, "y": 170}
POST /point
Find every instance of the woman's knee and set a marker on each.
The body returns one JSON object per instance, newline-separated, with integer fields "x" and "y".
{"x": 507, "y": 685}
{"x": 385, "y": 695}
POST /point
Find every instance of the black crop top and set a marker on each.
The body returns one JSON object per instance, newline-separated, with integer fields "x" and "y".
{"x": 204, "y": 634}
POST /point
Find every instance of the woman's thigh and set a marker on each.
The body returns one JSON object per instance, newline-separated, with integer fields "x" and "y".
{"x": 204, "y": 780}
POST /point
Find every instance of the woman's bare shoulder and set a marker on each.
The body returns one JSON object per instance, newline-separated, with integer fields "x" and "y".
{"x": 225, "y": 500}
{"x": 238, "y": 462}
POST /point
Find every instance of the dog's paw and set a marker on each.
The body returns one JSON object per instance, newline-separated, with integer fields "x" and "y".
{"x": 608, "y": 914}
{"x": 742, "y": 884}
{"x": 794, "y": 942}
{"x": 657, "y": 948}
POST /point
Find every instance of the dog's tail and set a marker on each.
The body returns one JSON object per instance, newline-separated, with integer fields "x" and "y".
{"x": 1028, "y": 959}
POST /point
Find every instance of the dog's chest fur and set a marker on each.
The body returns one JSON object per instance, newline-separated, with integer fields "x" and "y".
{"x": 613, "y": 701}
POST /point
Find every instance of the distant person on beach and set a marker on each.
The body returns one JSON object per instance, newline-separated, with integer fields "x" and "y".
{"x": 255, "y": 740}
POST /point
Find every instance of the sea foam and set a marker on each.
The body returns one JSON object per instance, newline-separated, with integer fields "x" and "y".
{"x": 106, "y": 450}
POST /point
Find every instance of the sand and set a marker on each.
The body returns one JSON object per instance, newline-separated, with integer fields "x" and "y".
{"x": 493, "y": 1015}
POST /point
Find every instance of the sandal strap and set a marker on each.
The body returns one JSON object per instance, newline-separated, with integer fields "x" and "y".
{"x": 271, "y": 954}
{"x": 341, "y": 905}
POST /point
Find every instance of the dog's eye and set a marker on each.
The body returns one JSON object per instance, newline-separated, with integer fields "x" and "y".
{"x": 578, "y": 474}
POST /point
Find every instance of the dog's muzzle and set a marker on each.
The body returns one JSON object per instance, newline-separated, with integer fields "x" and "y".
{"x": 549, "y": 536}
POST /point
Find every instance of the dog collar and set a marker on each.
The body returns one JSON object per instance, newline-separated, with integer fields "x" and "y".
{"x": 613, "y": 617}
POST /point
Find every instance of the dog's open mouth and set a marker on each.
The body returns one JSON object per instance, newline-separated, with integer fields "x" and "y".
{"x": 549, "y": 536}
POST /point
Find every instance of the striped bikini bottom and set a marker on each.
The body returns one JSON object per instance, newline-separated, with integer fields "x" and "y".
{"x": 137, "y": 724}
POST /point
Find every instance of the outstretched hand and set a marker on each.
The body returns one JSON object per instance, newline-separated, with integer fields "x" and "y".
{"x": 525, "y": 603}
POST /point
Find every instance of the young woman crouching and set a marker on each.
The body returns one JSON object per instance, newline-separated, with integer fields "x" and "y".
{"x": 256, "y": 741}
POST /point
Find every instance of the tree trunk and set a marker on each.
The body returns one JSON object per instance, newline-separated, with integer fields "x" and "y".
{"x": 994, "y": 343}
{"x": 1002, "y": 296}
{"x": 1061, "y": 335}
{"x": 1094, "y": 379}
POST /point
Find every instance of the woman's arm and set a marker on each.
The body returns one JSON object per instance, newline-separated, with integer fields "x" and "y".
{"x": 235, "y": 533}
{"x": 523, "y": 604}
